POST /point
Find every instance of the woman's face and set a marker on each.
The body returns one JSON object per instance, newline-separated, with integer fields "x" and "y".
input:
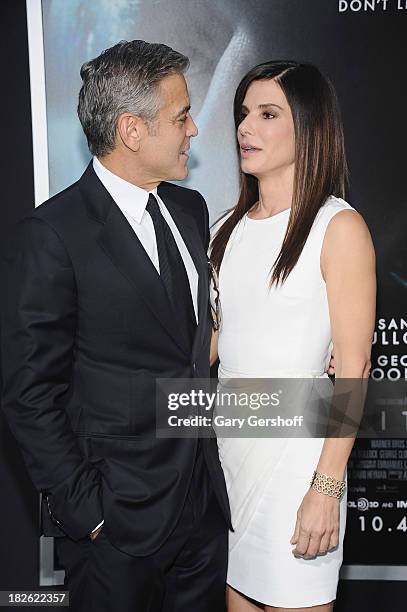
{"x": 266, "y": 132}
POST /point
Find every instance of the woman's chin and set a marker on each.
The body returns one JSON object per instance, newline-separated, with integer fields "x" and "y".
{"x": 248, "y": 167}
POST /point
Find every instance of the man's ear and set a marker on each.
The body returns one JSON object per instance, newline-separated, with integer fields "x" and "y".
{"x": 131, "y": 130}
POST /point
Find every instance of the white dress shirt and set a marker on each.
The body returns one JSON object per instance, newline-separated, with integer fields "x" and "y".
{"x": 132, "y": 201}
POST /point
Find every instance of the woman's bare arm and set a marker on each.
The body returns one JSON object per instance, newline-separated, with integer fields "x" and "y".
{"x": 348, "y": 267}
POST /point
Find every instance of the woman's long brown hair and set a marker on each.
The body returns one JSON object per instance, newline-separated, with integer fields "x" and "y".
{"x": 320, "y": 161}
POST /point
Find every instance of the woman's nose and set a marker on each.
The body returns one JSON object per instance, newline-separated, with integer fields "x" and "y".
{"x": 245, "y": 128}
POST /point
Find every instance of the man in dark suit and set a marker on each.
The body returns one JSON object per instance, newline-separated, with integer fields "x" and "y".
{"x": 107, "y": 290}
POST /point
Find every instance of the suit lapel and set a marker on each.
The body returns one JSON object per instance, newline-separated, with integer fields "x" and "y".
{"x": 121, "y": 244}
{"x": 193, "y": 241}
{"x": 126, "y": 251}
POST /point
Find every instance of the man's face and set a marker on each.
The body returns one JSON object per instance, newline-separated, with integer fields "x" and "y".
{"x": 164, "y": 147}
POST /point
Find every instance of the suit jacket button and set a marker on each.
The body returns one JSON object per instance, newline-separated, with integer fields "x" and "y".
{"x": 194, "y": 368}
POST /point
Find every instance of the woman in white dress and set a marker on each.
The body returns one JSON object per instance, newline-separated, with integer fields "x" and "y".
{"x": 296, "y": 270}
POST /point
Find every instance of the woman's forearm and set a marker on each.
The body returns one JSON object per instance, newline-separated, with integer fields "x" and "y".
{"x": 334, "y": 456}
{"x": 336, "y": 451}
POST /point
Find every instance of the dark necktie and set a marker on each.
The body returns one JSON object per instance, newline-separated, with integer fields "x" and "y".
{"x": 172, "y": 270}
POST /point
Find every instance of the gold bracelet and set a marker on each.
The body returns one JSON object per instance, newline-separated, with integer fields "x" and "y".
{"x": 327, "y": 485}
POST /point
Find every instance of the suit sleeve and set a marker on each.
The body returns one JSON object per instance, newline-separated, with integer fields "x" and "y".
{"x": 38, "y": 340}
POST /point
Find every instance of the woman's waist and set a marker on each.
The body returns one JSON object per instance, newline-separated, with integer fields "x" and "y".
{"x": 230, "y": 371}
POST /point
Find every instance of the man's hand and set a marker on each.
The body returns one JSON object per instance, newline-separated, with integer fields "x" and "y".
{"x": 94, "y": 534}
{"x": 331, "y": 367}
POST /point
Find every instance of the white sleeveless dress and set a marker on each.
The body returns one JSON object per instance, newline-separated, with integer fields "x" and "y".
{"x": 283, "y": 332}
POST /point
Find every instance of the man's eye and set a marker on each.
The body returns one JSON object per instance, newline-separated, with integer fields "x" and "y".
{"x": 183, "y": 119}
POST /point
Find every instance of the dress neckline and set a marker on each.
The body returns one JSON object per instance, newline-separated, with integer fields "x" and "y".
{"x": 268, "y": 218}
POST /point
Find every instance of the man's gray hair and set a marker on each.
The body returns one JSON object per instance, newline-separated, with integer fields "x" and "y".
{"x": 124, "y": 78}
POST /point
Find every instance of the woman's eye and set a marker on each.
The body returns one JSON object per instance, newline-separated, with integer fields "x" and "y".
{"x": 267, "y": 115}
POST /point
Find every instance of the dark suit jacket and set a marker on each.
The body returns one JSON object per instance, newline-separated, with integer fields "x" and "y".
{"x": 86, "y": 329}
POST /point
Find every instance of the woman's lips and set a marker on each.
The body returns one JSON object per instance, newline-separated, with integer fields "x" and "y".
{"x": 247, "y": 151}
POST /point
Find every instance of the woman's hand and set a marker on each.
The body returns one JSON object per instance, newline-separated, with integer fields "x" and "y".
{"x": 213, "y": 355}
{"x": 331, "y": 367}
{"x": 317, "y": 527}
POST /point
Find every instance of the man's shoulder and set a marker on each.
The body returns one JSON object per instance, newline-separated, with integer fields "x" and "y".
{"x": 179, "y": 193}
{"x": 59, "y": 205}
{"x": 63, "y": 216}
{"x": 190, "y": 201}
{"x": 49, "y": 223}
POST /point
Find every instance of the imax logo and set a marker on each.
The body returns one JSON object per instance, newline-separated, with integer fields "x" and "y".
{"x": 401, "y": 503}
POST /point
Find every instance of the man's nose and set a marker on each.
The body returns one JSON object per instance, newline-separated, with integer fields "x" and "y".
{"x": 192, "y": 127}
